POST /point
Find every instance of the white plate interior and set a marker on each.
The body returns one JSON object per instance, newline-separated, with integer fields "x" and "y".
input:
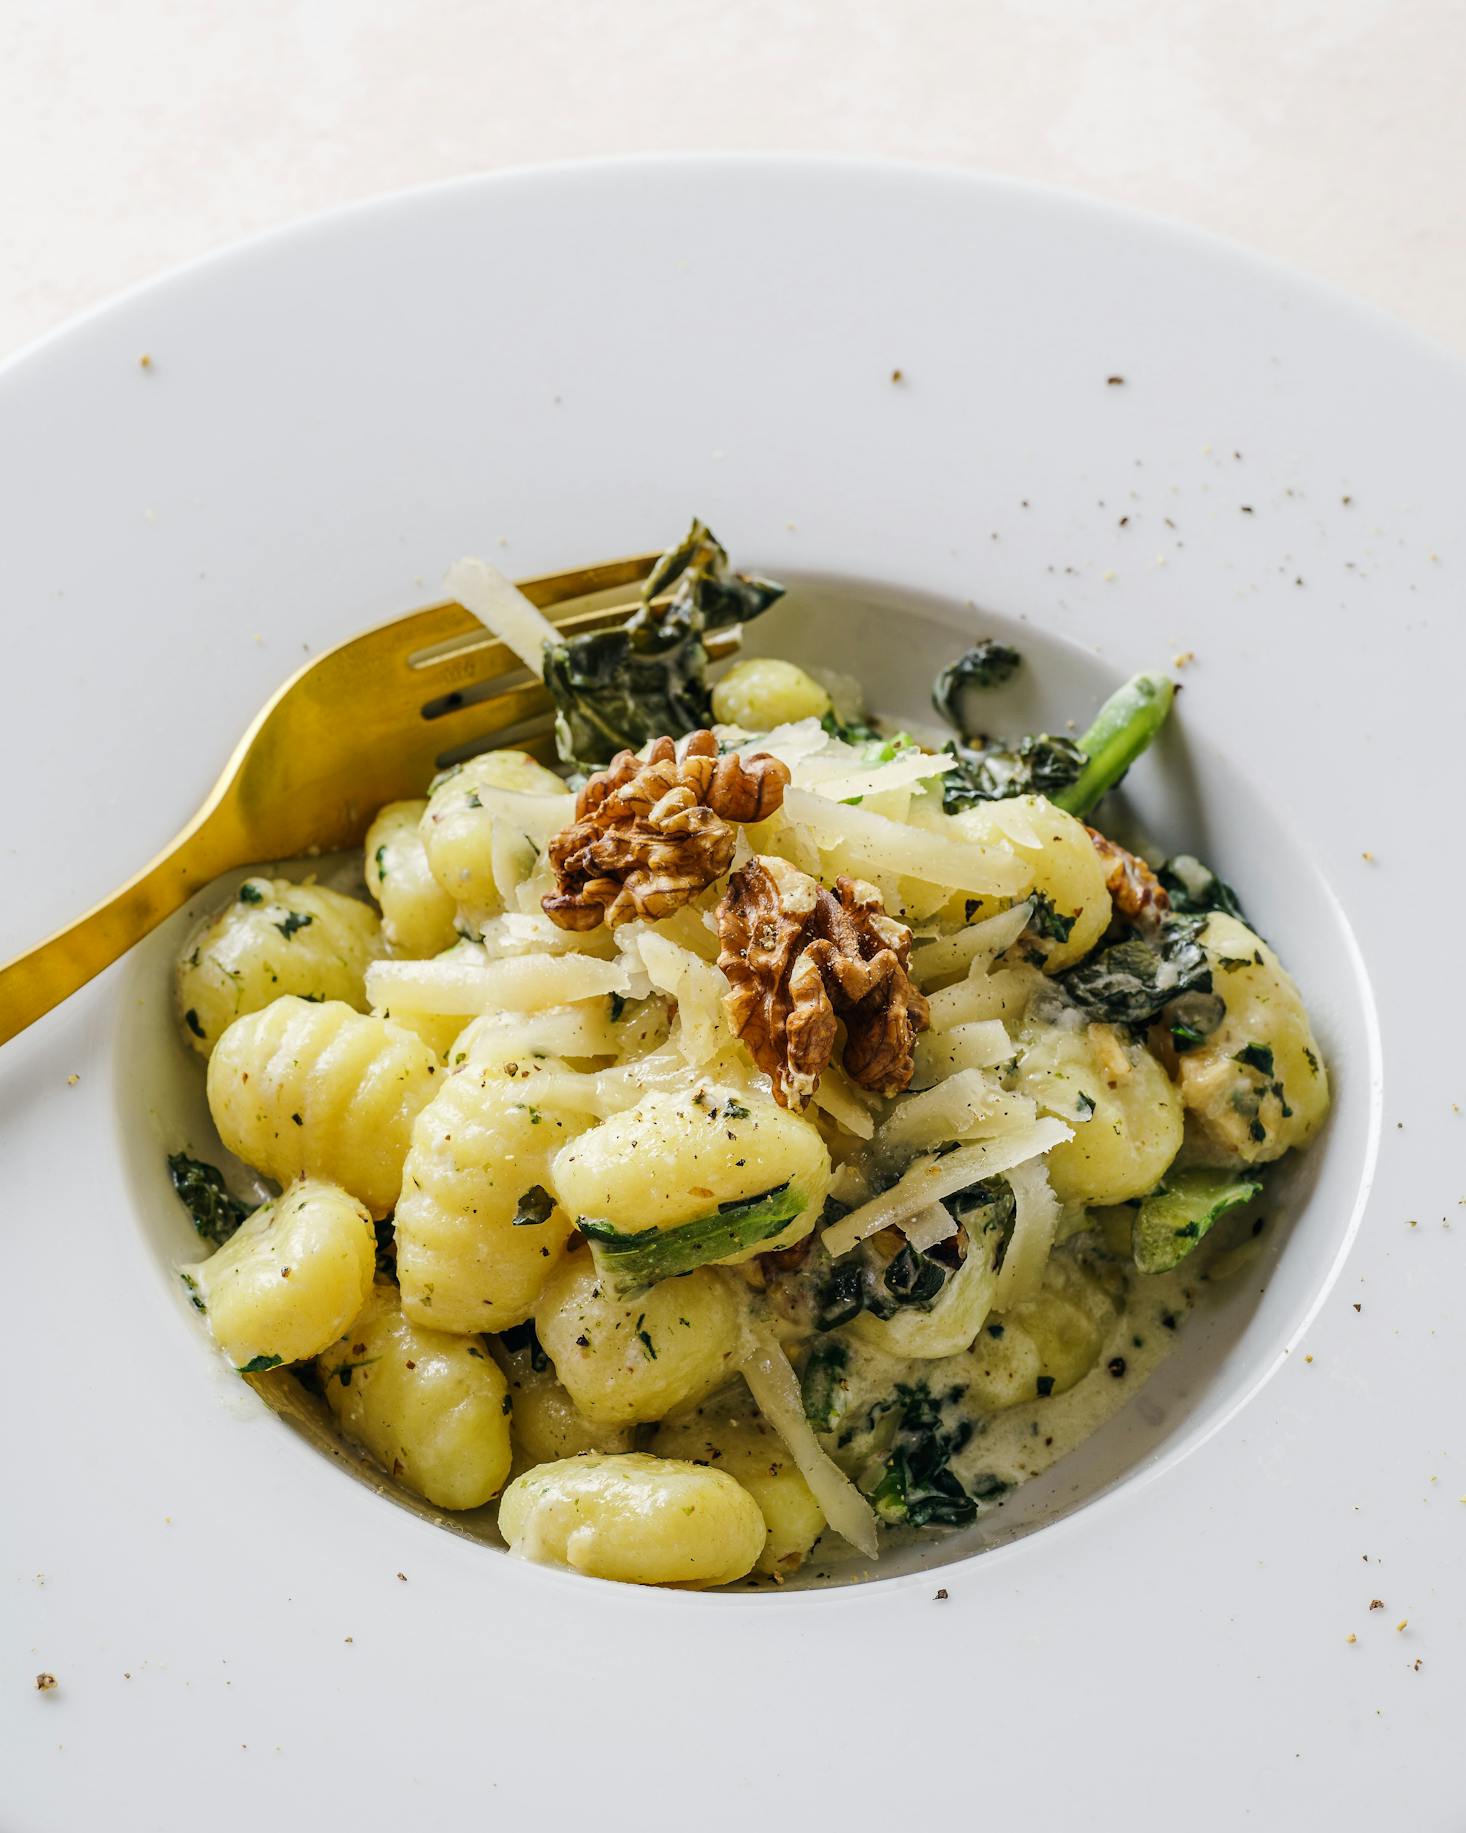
{"x": 1188, "y": 797}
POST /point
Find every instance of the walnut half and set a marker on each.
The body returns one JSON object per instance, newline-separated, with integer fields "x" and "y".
{"x": 798, "y": 958}
{"x": 648, "y": 836}
{"x": 1135, "y": 891}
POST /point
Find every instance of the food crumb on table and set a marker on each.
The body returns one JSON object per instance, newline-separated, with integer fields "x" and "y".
{"x": 45, "y": 1683}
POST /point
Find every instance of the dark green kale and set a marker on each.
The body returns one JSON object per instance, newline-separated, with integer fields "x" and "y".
{"x": 534, "y": 1207}
{"x": 852, "y": 732}
{"x": 1133, "y": 981}
{"x": 201, "y": 1190}
{"x": 1258, "y": 1057}
{"x": 1047, "y": 920}
{"x": 1038, "y": 766}
{"x": 1195, "y": 889}
{"x": 916, "y": 1487}
{"x": 1073, "y": 776}
{"x": 250, "y": 893}
{"x": 258, "y": 1364}
{"x": 616, "y": 689}
{"x": 294, "y": 919}
{"x": 1175, "y": 1217}
{"x": 987, "y": 664}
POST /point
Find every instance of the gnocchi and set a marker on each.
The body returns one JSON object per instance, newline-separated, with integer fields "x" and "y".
{"x": 417, "y": 913}
{"x": 623, "y": 1360}
{"x": 745, "y": 1446}
{"x": 306, "y": 1090}
{"x": 273, "y": 938}
{"x": 640, "y": 1519}
{"x": 291, "y": 1279}
{"x": 479, "y": 1229}
{"x": 432, "y": 1408}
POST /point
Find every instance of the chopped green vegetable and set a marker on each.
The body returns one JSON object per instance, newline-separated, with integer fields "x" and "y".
{"x": 616, "y": 689}
{"x": 201, "y": 1190}
{"x": 258, "y": 1364}
{"x": 1171, "y": 1220}
{"x": 534, "y": 1208}
{"x": 381, "y": 859}
{"x": 1192, "y": 1019}
{"x": 1256, "y": 1056}
{"x": 1038, "y": 766}
{"x": 735, "y": 1110}
{"x": 1122, "y": 729}
{"x": 1047, "y": 920}
{"x": 191, "y": 1019}
{"x": 1194, "y": 889}
{"x": 915, "y": 1486}
{"x": 634, "y": 1261}
{"x": 987, "y": 664}
{"x": 823, "y": 1386}
{"x": 1132, "y": 982}
{"x": 852, "y": 732}
{"x": 294, "y": 919}
{"x": 250, "y": 893}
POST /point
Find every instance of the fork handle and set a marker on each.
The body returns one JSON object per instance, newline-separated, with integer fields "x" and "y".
{"x": 52, "y": 971}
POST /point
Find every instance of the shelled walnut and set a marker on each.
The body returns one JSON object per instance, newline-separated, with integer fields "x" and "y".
{"x": 648, "y": 836}
{"x": 798, "y": 958}
{"x": 1135, "y": 891}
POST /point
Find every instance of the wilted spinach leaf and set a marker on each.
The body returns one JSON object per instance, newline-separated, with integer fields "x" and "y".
{"x": 917, "y": 1488}
{"x": 1194, "y": 888}
{"x": 987, "y": 664}
{"x": 201, "y": 1189}
{"x": 1040, "y": 765}
{"x": 1131, "y": 982}
{"x": 616, "y": 689}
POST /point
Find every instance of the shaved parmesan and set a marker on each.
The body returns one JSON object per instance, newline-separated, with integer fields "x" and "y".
{"x": 1035, "y": 1224}
{"x": 929, "y": 1226}
{"x": 775, "y": 1389}
{"x": 500, "y": 606}
{"x": 836, "y": 779}
{"x": 973, "y": 1103}
{"x": 698, "y": 989}
{"x": 971, "y": 950}
{"x": 930, "y": 1179}
{"x": 893, "y": 846}
{"x": 981, "y": 1043}
{"x": 835, "y": 1096}
{"x": 583, "y": 1030}
{"x": 465, "y": 981}
{"x": 1000, "y": 996}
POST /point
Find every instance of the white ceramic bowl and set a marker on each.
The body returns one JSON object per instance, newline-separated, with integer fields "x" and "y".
{"x": 553, "y": 367}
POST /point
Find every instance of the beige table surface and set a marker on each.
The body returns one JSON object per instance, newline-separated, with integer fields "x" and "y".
{"x": 136, "y": 135}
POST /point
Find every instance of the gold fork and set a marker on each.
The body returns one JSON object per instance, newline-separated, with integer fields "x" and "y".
{"x": 365, "y": 723}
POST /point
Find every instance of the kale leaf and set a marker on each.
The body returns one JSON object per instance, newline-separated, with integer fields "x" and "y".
{"x": 201, "y": 1190}
{"x": 822, "y": 1386}
{"x": 1048, "y": 920}
{"x": 616, "y": 689}
{"x": 987, "y": 664}
{"x": 1131, "y": 982}
{"x": 916, "y": 1487}
{"x": 1037, "y": 766}
{"x": 1195, "y": 889}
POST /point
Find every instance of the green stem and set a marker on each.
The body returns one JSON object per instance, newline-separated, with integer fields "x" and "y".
{"x": 634, "y": 1261}
{"x": 1122, "y": 729}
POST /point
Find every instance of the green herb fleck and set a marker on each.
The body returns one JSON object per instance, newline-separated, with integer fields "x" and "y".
{"x": 381, "y": 858}
{"x": 1256, "y": 1056}
{"x": 534, "y": 1207}
{"x": 250, "y": 893}
{"x": 191, "y": 1019}
{"x": 258, "y": 1364}
{"x": 295, "y": 919}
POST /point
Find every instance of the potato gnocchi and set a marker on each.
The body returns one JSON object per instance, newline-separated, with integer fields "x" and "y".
{"x": 786, "y": 1136}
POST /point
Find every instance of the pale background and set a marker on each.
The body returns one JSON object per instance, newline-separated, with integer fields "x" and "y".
{"x": 134, "y": 136}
